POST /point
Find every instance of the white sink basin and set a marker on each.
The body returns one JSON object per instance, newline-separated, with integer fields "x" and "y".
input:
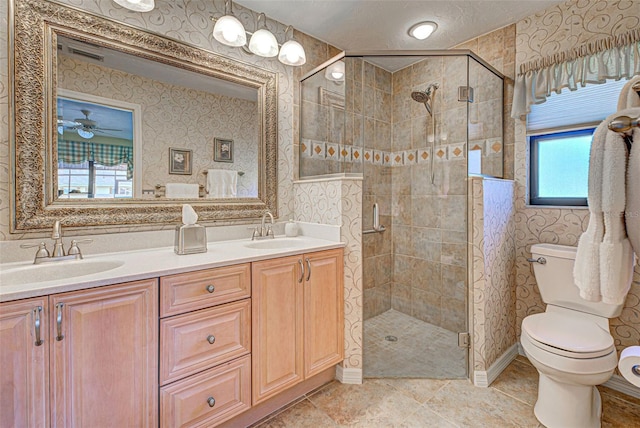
{"x": 275, "y": 244}
{"x": 52, "y": 271}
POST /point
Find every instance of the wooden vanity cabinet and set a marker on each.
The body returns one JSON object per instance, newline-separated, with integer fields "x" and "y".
{"x": 205, "y": 346}
{"x": 97, "y": 365}
{"x": 24, "y": 375}
{"x": 104, "y": 356}
{"x": 297, "y": 320}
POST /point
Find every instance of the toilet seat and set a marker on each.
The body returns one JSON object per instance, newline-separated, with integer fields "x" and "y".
{"x": 567, "y": 336}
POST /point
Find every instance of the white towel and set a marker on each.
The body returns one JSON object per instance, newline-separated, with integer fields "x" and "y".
{"x": 181, "y": 191}
{"x": 222, "y": 183}
{"x": 616, "y": 255}
{"x": 604, "y": 261}
{"x": 586, "y": 270}
{"x": 632, "y": 210}
{"x": 628, "y": 97}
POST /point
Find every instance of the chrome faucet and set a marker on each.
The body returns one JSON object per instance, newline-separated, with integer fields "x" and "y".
{"x": 264, "y": 230}
{"x": 58, "y": 254}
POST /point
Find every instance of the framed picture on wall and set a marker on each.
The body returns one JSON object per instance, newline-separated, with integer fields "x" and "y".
{"x": 180, "y": 161}
{"x": 222, "y": 150}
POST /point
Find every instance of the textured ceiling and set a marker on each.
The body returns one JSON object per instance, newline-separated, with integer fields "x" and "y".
{"x": 383, "y": 24}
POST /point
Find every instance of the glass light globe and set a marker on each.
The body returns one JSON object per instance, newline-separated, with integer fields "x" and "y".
{"x": 137, "y": 5}
{"x": 335, "y": 71}
{"x": 85, "y": 134}
{"x": 229, "y": 31}
{"x": 263, "y": 43}
{"x": 292, "y": 53}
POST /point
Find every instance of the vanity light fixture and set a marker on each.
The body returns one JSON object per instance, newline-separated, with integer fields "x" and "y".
{"x": 228, "y": 30}
{"x": 335, "y": 72}
{"x": 137, "y": 5}
{"x": 422, "y": 30}
{"x": 263, "y": 42}
{"x": 292, "y": 52}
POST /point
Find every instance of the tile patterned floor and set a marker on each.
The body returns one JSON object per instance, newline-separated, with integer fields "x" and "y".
{"x": 382, "y": 403}
{"x": 423, "y": 350}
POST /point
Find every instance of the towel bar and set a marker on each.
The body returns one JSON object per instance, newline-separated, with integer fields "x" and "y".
{"x": 240, "y": 173}
{"x": 624, "y": 123}
{"x": 161, "y": 190}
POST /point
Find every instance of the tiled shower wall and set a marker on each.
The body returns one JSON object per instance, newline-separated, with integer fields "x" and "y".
{"x": 429, "y": 220}
{"x": 373, "y": 86}
{"x": 418, "y": 266}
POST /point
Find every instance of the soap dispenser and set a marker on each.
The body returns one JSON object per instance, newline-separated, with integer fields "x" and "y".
{"x": 291, "y": 229}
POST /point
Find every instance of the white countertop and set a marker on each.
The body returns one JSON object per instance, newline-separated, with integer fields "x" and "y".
{"x": 150, "y": 263}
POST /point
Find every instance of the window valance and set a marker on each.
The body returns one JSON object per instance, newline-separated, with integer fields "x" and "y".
{"x": 612, "y": 58}
{"x": 104, "y": 154}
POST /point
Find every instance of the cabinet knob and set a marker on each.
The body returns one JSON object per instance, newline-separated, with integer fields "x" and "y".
{"x": 211, "y": 401}
{"x": 211, "y": 339}
{"x": 210, "y": 288}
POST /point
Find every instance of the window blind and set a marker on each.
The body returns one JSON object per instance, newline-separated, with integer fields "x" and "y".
{"x": 588, "y": 105}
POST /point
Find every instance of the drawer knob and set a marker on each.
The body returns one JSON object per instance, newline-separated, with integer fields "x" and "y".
{"x": 211, "y": 339}
{"x": 210, "y": 288}
{"x": 211, "y": 401}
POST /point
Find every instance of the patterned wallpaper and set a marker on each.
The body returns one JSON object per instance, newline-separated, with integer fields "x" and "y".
{"x": 493, "y": 269}
{"x": 571, "y": 24}
{"x": 176, "y": 117}
{"x": 190, "y": 23}
{"x": 338, "y": 201}
{"x": 561, "y": 28}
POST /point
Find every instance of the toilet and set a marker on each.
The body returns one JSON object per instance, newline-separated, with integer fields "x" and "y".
{"x": 569, "y": 344}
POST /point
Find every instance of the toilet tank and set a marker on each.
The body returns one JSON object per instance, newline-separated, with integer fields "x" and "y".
{"x": 556, "y": 285}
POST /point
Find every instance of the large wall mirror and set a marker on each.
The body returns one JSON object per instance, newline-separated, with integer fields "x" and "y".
{"x": 113, "y": 125}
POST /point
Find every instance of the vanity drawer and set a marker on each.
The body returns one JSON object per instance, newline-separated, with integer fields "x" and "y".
{"x": 198, "y": 340}
{"x": 191, "y": 291}
{"x": 188, "y": 403}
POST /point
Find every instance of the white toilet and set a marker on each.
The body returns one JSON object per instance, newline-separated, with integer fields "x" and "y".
{"x": 569, "y": 344}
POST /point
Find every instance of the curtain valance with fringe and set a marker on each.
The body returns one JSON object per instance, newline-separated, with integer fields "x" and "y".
{"x": 612, "y": 58}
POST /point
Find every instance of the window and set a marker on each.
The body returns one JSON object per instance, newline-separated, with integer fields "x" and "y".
{"x": 559, "y": 132}
{"x": 559, "y": 171}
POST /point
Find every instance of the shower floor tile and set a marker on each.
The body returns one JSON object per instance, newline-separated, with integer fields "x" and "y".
{"x": 422, "y": 350}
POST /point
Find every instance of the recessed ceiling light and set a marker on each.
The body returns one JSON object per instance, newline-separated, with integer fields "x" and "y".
{"x": 422, "y": 30}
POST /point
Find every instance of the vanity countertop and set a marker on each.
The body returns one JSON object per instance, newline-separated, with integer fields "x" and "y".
{"x": 143, "y": 264}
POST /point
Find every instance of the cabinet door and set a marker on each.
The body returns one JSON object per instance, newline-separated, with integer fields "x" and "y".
{"x": 276, "y": 326}
{"x": 323, "y": 311}
{"x": 104, "y": 356}
{"x": 24, "y": 383}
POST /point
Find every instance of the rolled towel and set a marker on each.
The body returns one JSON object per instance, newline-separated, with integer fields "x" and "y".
{"x": 181, "y": 191}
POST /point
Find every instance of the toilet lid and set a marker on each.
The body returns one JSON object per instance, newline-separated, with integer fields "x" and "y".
{"x": 580, "y": 337}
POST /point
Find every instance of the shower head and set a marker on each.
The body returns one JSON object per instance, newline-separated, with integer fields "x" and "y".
{"x": 420, "y": 96}
{"x": 424, "y": 97}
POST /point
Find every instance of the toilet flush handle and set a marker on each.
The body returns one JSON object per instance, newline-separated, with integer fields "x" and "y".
{"x": 540, "y": 260}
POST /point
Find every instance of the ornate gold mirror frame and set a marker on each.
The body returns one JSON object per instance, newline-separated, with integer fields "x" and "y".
{"x": 34, "y": 28}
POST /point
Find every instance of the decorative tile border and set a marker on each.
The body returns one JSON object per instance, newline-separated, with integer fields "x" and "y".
{"x": 354, "y": 154}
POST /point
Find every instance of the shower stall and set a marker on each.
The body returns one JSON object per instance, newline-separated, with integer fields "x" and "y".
{"x": 415, "y": 125}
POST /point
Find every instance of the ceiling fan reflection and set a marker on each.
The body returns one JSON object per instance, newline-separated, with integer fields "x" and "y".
{"x": 84, "y": 126}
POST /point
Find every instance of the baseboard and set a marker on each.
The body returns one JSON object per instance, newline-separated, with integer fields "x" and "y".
{"x": 485, "y": 378}
{"x": 349, "y": 375}
{"x": 620, "y": 384}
